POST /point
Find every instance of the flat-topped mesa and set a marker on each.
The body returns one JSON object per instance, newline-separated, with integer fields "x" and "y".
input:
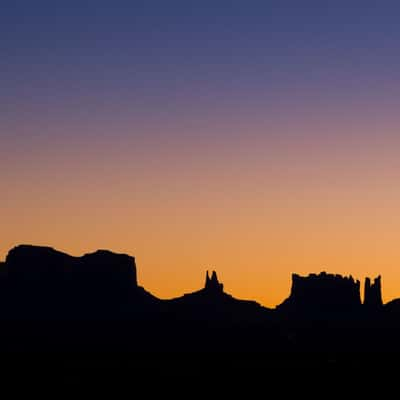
{"x": 45, "y": 265}
{"x": 373, "y": 293}
{"x": 212, "y": 284}
{"x": 323, "y": 292}
{"x": 36, "y": 263}
{"x": 119, "y": 268}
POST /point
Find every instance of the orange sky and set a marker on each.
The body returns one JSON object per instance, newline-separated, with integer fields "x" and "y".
{"x": 254, "y": 210}
{"x": 254, "y": 139}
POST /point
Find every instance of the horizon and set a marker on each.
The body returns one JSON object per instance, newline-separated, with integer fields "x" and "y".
{"x": 358, "y": 280}
{"x": 254, "y": 138}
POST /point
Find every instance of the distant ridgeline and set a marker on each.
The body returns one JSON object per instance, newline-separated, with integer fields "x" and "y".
{"x": 50, "y": 300}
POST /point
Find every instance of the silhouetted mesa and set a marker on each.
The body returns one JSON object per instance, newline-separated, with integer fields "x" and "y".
{"x": 322, "y": 293}
{"x": 48, "y": 283}
{"x": 36, "y": 264}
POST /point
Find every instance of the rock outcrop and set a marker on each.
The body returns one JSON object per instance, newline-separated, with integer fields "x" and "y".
{"x": 48, "y": 283}
{"x": 212, "y": 303}
{"x": 44, "y": 265}
{"x": 373, "y": 293}
{"x": 322, "y": 293}
{"x": 212, "y": 284}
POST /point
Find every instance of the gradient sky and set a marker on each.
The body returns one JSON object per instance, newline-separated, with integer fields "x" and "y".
{"x": 257, "y": 138}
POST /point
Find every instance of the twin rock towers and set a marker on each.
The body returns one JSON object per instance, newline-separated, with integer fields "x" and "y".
{"x": 373, "y": 292}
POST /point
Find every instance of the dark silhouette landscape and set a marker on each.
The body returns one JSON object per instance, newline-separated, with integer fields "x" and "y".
{"x": 90, "y": 308}
{"x": 87, "y": 320}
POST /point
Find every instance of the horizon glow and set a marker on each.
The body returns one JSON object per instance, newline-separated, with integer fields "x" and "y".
{"x": 257, "y": 140}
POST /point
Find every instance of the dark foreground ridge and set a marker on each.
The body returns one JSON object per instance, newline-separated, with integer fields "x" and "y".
{"x": 53, "y": 303}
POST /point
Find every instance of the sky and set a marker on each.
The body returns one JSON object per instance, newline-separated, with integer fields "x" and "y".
{"x": 256, "y": 138}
